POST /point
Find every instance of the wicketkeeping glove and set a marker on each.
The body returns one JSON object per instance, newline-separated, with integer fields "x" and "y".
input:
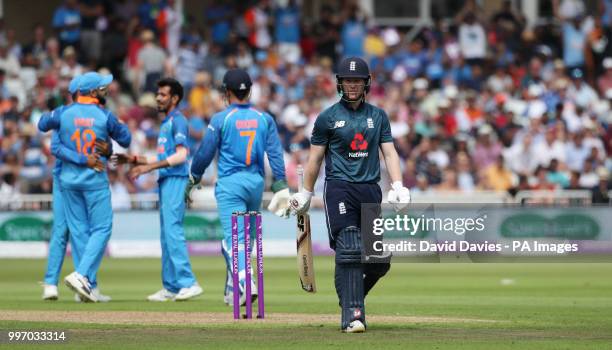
{"x": 193, "y": 182}
{"x": 399, "y": 196}
{"x": 279, "y": 204}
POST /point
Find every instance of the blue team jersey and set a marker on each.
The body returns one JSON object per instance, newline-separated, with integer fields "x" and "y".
{"x": 79, "y": 125}
{"x": 172, "y": 133}
{"x": 243, "y": 135}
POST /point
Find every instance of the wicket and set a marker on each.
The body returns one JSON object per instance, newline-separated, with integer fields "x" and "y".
{"x": 247, "y": 258}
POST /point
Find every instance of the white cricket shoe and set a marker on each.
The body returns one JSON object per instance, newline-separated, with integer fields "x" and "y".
{"x": 80, "y": 285}
{"x": 355, "y": 327}
{"x": 161, "y": 296}
{"x": 96, "y": 292}
{"x": 188, "y": 293}
{"x": 49, "y": 292}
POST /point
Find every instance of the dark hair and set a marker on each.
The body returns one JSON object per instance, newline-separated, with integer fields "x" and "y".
{"x": 176, "y": 89}
{"x": 240, "y": 94}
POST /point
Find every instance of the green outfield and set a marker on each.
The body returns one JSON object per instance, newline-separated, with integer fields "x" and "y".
{"x": 417, "y": 306}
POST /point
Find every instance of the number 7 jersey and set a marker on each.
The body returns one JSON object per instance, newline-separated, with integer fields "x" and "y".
{"x": 80, "y": 124}
{"x": 242, "y": 135}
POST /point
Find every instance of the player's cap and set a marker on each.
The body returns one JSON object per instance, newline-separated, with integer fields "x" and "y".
{"x": 94, "y": 80}
{"x": 237, "y": 80}
{"x": 73, "y": 87}
{"x": 353, "y": 67}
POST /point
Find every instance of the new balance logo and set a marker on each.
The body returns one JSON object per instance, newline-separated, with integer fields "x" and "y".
{"x": 342, "y": 208}
{"x": 339, "y": 124}
{"x": 352, "y": 66}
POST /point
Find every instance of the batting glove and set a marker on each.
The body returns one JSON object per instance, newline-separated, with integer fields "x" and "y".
{"x": 279, "y": 204}
{"x": 299, "y": 203}
{"x": 193, "y": 183}
{"x": 399, "y": 196}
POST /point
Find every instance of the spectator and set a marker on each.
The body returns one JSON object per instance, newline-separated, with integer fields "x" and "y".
{"x": 257, "y": 20}
{"x": 93, "y": 23}
{"x": 353, "y": 32}
{"x": 287, "y": 34}
{"x": 151, "y": 62}
{"x": 67, "y": 23}
{"x": 120, "y": 197}
{"x": 588, "y": 177}
{"x": 498, "y": 177}
{"x": 10, "y": 197}
{"x": 472, "y": 40}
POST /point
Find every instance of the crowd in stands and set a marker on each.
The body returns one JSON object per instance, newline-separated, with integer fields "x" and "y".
{"x": 476, "y": 102}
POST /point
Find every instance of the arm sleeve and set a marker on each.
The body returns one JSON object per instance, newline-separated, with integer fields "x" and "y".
{"x": 180, "y": 130}
{"x": 117, "y": 131}
{"x": 385, "y": 128}
{"x": 64, "y": 153}
{"x": 320, "y": 132}
{"x": 206, "y": 153}
{"x": 50, "y": 121}
{"x": 274, "y": 149}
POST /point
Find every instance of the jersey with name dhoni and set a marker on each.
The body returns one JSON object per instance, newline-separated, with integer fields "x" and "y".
{"x": 79, "y": 125}
{"x": 352, "y": 138}
{"x": 243, "y": 135}
{"x": 173, "y": 132}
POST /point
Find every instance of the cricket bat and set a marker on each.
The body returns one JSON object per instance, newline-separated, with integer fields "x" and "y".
{"x": 304, "y": 245}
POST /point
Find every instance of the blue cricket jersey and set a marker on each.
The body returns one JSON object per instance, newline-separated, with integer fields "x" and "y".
{"x": 242, "y": 135}
{"x": 172, "y": 133}
{"x": 61, "y": 152}
{"x": 79, "y": 125}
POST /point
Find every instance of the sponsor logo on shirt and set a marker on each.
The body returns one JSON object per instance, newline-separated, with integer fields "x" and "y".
{"x": 339, "y": 124}
{"x": 370, "y": 123}
{"x": 360, "y": 145}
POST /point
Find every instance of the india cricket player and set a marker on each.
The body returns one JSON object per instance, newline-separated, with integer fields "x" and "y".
{"x": 59, "y": 231}
{"x": 349, "y": 135}
{"x": 178, "y": 280}
{"x": 86, "y": 192}
{"x": 242, "y": 135}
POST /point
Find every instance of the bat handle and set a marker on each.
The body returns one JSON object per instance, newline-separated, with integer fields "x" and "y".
{"x": 300, "y": 174}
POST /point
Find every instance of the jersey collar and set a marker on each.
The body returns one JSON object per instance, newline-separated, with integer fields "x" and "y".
{"x": 348, "y": 106}
{"x": 87, "y": 100}
{"x": 241, "y": 105}
{"x": 172, "y": 114}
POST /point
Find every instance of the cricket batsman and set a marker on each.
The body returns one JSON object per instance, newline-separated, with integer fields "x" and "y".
{"x": 179, "y": 282}
{"x": 242, "y": 135}
{"x": 86, "y": 191}
{"x": 349, "y": 135}
{"x": 59, "y": 231}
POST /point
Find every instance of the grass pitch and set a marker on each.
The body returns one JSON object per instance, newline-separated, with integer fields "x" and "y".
{"x": 416, "y": 306}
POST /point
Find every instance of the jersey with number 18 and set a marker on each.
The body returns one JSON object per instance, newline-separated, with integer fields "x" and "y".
{"x": 80, "y": 125}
